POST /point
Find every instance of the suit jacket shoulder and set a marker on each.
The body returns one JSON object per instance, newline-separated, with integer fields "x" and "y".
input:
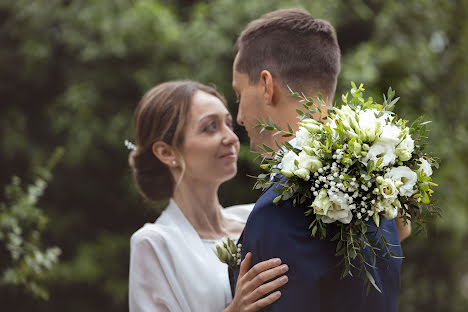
{"x": 314, "y": 272}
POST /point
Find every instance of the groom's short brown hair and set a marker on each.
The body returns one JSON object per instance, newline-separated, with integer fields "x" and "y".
{"x": 298, "y": 49}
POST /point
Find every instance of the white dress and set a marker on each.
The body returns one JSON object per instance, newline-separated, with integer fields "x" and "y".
{"x": 173, "y": 269}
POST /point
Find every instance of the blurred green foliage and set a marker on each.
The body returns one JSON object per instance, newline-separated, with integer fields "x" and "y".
{"x": 24, "y": 263}
{"x": 73, "y": 71}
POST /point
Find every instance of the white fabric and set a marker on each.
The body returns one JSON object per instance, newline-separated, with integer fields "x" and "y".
{"x": 172, "y": 269}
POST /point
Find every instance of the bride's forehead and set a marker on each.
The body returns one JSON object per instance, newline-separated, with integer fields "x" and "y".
{"x": 206, "y": 104}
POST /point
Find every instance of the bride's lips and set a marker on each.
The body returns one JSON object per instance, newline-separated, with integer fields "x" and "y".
{"x": 229, "y": 155}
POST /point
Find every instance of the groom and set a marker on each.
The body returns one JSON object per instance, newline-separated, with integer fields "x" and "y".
{"x": 291, "y": 48}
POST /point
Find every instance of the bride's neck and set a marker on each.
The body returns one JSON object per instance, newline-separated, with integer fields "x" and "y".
{"x": 200, "y": 205}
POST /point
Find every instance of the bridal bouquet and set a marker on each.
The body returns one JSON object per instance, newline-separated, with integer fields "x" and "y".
{"x": 360, "y": 162}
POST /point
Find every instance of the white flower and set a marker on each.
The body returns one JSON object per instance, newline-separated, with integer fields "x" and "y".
{"x": 333, "y": 208}
{"x": 339, "y": 209}
{"x": 382, "y": 205}
{"x": 288, "y": 165}
{"x": 300, "y": 165}
{"x": 369, "y": 125}
{"x": 391, "y": 211}
{"x": 388, "y": 210}
{"x": 344, "y": 115}
{"x": 303, "y": 137}
{"x": 390, "y": 134}
{"x": 311, "y": 125}
{"x": 380, "y": 149}
{"x": 321, "y": 203}
{"x": 425, "y": 167}
{"x": 302, "y": 173}
{"x": 388, "y": 189}
{"x": 405, "y": 148}
{"x": 384, "y": 146}
{"x": 311, "y": 163}
{"x": 404, "y": 178}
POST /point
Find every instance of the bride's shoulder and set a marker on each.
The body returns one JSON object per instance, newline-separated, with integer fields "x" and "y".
{"x": 152, "y": 234}
{"x": 239, "y": 211}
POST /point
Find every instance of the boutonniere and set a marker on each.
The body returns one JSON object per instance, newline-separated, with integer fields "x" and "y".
{"x": 228, "y": 252}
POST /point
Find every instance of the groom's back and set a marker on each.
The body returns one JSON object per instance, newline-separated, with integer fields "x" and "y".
{"x": 314, "y": 273}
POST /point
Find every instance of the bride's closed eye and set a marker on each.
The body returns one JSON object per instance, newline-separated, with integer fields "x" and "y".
{"x": 210, "y": 127}
{"x": 230, "y": 124}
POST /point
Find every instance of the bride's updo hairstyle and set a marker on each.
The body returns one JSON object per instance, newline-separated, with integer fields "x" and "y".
{"x": 161, "y": 115}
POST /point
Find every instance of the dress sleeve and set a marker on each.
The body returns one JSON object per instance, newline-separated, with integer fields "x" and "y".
{"x": 149, "y": 284}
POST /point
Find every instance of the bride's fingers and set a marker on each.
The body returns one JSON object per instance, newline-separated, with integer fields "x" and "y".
{"x": 245, "y": 264}
{"x": 260, "y": 268}
{"x": 260, "y": 304}
{"x": 267, "y": 288}
{"x": 262, "y": 283}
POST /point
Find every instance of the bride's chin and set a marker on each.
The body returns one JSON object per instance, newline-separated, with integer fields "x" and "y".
{"x": 229, "y": 175}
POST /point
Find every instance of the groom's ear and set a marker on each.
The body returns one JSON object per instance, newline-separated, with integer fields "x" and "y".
{"x": 268, "y": 87}
{"x": 165, "y": 153}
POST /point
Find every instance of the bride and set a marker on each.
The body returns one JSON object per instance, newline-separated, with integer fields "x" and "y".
{"x": 185, "y": 148}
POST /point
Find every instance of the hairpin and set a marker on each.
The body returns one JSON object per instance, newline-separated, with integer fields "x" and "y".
{"x": 130, "y": 145}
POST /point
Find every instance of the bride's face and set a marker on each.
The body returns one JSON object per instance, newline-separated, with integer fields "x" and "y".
{"x": 210, "y": 146}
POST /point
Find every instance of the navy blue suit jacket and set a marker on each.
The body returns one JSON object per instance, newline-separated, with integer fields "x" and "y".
{"x": 314, "y": 277}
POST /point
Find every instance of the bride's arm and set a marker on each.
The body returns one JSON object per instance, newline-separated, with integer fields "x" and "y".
{"x": 253, "y": 284}
{"x": 148, "y": 284}
{"x": 404, "y": 230}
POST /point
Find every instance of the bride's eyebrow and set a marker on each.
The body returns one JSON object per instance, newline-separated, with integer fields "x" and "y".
{"x": 213, "y": 116}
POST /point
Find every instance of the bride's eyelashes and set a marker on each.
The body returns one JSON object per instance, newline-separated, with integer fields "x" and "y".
{"x": 212, "y": 126}
{"x": 230, "y": 124}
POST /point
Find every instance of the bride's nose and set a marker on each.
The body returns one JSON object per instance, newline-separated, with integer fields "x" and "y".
{"x": 229, "y": 136}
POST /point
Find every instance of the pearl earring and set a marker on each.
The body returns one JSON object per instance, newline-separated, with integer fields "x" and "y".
{"x": 174, "y": 162}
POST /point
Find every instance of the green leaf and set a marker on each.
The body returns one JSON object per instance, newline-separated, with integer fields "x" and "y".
{"x": 267, "y": 148}
{"x": 277, "y": 199}
{"x": 372, "y": 280}
{"x": 376, "y": 218}
{"x": 314, "y": 230}
{"x": 425, "y": 199}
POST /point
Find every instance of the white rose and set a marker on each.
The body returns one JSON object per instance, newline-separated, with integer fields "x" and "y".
{"x": 380, "y": 149}
{"x": 425, "y": 167}
{"x": 321, "y": 203}
{"x": 369, "y": 125}
{"x": 388, "y": 189}
{"x": 305, "y": 165}
{"x": 288, "y": 164}
{"x": 308, "y": 162}
{"x": 339, "y": 210}
{"x": 404, "y": 178}
{"x": 302, "y": 173}
{"x": 384, "y": 146}
{"x": 405, "y": 148}
{"x": 303, "y": 137}
{"x": 390, "y": 134}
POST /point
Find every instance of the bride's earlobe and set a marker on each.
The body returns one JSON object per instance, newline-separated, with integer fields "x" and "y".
{"x": 165, "y": 153}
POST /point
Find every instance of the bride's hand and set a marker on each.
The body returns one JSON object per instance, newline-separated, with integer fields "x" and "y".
{"x": 256, "y": 282}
